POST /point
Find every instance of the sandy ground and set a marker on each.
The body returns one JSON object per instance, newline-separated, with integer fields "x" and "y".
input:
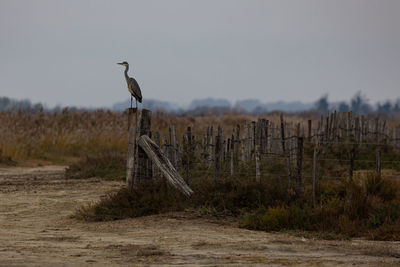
{"x": 36, "y": 230}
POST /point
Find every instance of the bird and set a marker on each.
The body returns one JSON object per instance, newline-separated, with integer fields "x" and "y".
{"x": 133, "y": 85}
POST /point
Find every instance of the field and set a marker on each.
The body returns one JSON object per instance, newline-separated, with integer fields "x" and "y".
{"x": 62, "y": 178}
{"x": 37, "y": 230}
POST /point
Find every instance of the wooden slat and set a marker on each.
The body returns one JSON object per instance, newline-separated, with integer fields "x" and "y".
{"x": 162, "y": 162}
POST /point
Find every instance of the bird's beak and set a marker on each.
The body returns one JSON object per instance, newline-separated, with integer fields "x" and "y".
{"x": 120, "y": 63}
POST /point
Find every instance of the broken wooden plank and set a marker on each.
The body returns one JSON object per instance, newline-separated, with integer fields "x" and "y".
{"x": 165, "y": 166}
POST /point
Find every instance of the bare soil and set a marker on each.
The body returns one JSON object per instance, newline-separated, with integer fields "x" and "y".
{"x": 36, "y": 229}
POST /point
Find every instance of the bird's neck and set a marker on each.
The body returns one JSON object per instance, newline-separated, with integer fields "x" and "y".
{"x": 126, "y": 73}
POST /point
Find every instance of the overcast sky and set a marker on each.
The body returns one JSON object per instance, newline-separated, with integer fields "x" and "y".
{"x": 65, "y": 52}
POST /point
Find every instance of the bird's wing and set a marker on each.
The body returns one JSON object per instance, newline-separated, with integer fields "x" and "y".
{"x": 137, "y": 93}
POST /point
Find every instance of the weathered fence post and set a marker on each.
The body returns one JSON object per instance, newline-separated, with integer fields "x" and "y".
{"x": 300, "y": 141}
{"x": 157, "y": 140}
{"x": 351, "y": 167}
{"x": 188, "y": 152}
{"x": 377, "y": 130}
{"x": 378, "y": 161}
{"x": 309, "y": 130}
{"x": 217, "y": 154}
{"x": 172, "y": 145}
{"x": 258, "y": 171}
{"x": 143, "y": 167}
{"x": 130, "y": 161}
{"x": 210, "y": 144}
{"x": 315, "y": 172}
{"x": 252, "y": 134}
{"x": 282, "y": 134}
{"x": 244, "y": 142}
{"x": 232, "y": 152}
{"x": 266, "y": 133}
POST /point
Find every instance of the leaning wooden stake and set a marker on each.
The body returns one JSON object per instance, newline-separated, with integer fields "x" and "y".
{"x": 162, "y": 162}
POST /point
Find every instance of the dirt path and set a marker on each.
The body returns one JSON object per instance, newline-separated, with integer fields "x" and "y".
{"x": 36, "y": 230}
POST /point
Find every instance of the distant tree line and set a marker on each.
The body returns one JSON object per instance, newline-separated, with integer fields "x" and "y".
{"x": 359, "y": 104}
{"x": 9, "y": 104}
{"x": 23, "y": 105}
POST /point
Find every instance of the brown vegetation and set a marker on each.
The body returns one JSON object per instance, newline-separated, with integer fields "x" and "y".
{"x": 96, "y": 143}
{"x": 58, "y": 137}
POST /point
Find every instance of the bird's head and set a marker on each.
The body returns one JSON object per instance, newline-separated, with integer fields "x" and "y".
{"x": 123, "y": 63}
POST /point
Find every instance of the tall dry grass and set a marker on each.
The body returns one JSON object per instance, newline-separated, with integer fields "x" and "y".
{"x": 64, "y": 135}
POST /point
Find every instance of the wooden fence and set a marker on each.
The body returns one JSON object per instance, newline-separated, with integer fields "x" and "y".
{"x": 293, "y": 151}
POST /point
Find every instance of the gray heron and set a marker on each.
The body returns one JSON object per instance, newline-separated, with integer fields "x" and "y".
{"x": 133, "y": 85}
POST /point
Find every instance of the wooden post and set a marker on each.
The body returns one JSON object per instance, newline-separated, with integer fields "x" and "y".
{"x": 309, "y": 130}
{"x": 157, "y": 141}
{"x": 331, "y": 125}
{"x": 272, "y": 138}
{"x": 143, "y": 164}
{"x": 351, "y": 167}
{"x": 252, "y": 138}
{"x": 217, "y": 155}
{"x": 189, "y": 147}
{"x": 185, "y": 144}
{"x": 357, "y": 129}
{"x": 383, "y": 133}
{"x": 258, "y": 171}
{"x": 378, "y": 161}
{"x": 172, "y": 145}
{"x": 260, "y": 133}
{"x": 282, "y": 134}
{"x": 298, "y": 134}
{"x": 266, "y": 133}
{"x": 232, "y": 155}
{"x": 300, "y": 141}
{"x": 210, "y": 144}
{"x": 335, "y": 127}
{"x": 362, "y": 130}
{"x": 327, "y": 129}
{"x": 289, "y": 168}
{"x": 130, "y": 161}
{"x": 236, "y": 145}
{"x": 377, "y": 130}
{"x": 315, "y": 172}
{"x": 244, "y": 143}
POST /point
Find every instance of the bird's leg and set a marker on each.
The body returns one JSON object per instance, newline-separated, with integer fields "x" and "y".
{"x": 136, "y": 103}
{"x": 131, "y": 101}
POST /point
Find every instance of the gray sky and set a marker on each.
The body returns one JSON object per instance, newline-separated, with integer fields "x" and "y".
{"x": 65, "y": 52}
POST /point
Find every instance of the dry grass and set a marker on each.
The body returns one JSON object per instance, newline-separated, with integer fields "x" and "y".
{"x": 61, "y": 136}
